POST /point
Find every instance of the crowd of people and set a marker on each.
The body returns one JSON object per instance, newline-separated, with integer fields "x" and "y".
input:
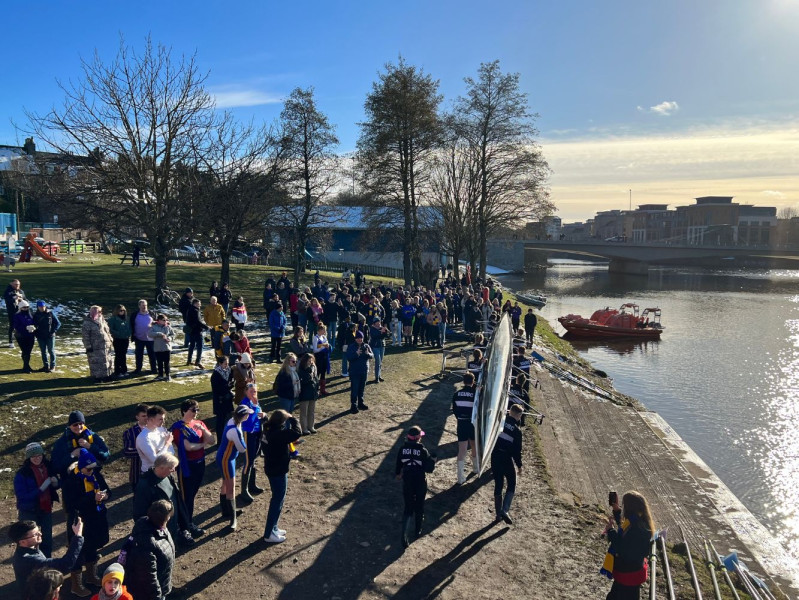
{"x": 317, "y": 332}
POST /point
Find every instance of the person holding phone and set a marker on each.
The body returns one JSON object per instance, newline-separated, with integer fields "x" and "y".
{"x": 28, "y": 556}
{"x": 629, "y": 529}
{"x": 358, "y": 355}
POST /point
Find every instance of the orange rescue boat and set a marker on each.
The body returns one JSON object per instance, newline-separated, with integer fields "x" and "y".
{"x": 605, "y": 323}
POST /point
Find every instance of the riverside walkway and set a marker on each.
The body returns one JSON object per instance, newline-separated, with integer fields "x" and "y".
{"x": 592, "y": 447}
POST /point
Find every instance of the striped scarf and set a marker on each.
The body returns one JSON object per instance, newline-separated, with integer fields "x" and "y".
{"x": 89, "y": 486}
{"x": 607, "y": 564}
{"x": 84, "y": 433}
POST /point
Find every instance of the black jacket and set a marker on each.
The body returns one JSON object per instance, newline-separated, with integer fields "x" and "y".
{"x": 12, "y": 298}
{"x": 46, "y": 324}
{"x": 194, "y": 320}
{"x": 309, "y": 384}
{"x": 509, "y": 442}
{"x": 27, "y": 560}
{"x": 276, "y": 447}
{"x": 413, "y": 461}
{"x": 222, "y": 393}
{"x": 150, "y": 558}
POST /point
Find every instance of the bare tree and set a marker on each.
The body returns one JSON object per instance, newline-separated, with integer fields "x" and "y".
{"x": 240, "y": 169}
{"x": 511, "y": 171}
{"x": 453, "y": 193}
{"x": 397, "y": 139}
{"x": 311, "y": 173}
{"x": 144, "y": 113}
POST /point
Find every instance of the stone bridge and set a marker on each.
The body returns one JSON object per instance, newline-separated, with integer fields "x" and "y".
{"x": 628, "y": 257}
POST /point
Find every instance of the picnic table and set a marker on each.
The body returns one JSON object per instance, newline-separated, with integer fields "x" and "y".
{"x": 129, "y": 256}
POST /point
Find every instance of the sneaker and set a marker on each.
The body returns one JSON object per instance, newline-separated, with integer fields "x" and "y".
{"x": 281, "y": 531}
{"x": 159, "y": 378}
{"x": 354, "y": 409}
{"x": 380, "y": 379}
{"x": 345, "y": 374}
{"x": 10, "y": 344}
{"x": 306, "y": 432}
{"x": 507, "y": 519}
{"x": 199, "y": 365}
{"x": 196, "y": 531}
{"x": 312, "y": 430}
{"x": 185, "y": 539}
{"x": 275, "y": 538}
{"x": 168, "y": 378}
{"x": 362, "y": 406}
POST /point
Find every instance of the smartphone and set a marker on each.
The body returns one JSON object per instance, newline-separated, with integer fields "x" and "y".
{"x": 613, "y": 498}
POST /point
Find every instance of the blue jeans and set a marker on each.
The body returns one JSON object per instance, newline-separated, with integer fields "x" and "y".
{"x": 302, "y": 319}
{"x": 278, "y": 485}
{"x": 47, "y": 346}
{"x": 357, "y": 387}
{"x": 379, "y": 352}
{"x": 287, "y": 404}
{"x": 196, "y": 341}
{"x": 331, "y": 331}
{"x": 344, "y": 364}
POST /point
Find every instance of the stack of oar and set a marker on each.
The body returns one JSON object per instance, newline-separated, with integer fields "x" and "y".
{"x": 754, "y": 586}
{"x": 577, "y": 380}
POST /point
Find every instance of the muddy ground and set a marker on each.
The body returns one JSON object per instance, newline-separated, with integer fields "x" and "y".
{"x": 343, "y": 512}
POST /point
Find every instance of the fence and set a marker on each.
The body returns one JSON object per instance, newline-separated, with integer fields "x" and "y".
{"x": 340, "y": 267}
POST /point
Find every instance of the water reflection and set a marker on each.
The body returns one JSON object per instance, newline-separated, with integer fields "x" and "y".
{"x": 725, "y": 373}
{"x": 620, "y": 347}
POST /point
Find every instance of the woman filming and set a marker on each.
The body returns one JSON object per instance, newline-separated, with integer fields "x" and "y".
{"x": 629, "y": 531}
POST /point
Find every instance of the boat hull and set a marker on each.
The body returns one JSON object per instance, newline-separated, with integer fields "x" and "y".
{"x": 490, "y": 404}
{"x": 597, "y": 331}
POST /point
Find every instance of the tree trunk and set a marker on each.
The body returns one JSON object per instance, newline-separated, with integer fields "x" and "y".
{"x": 483, "y": 253}
{"x": 224, "y": 275}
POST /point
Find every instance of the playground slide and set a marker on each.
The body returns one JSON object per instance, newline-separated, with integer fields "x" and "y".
{"x": 31, "y": 246}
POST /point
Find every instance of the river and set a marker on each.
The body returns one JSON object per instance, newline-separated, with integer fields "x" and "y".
{"x": 725, "y": 374}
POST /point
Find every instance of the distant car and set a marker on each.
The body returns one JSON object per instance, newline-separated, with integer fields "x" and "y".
{"x": 616, "y": 238}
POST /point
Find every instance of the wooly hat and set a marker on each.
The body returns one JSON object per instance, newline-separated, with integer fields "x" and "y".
{"x": 33, "y": 449}
{"x": 23, "y": 304}
{"x": 245, "y": 358}
{"x": 359, "y": 335}
{"x": 114, "y": 571}
{"x": 76, "y": 417}
{"x": 86, "y": 459}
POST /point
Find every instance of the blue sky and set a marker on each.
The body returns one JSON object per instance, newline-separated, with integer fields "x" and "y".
{"x": 672, "y": 100}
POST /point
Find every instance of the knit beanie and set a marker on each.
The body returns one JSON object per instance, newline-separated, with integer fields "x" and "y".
{"x": 114, "y": 571}
{"x": 86, "y": 459}
{"x": 33, "y": 449}
{"x": 76, "y": 417}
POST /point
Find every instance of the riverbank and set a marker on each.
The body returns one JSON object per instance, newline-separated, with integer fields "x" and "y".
{"x": 343, "y": 508}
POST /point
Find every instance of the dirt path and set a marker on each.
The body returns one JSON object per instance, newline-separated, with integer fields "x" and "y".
{"x": 343, "y": 510}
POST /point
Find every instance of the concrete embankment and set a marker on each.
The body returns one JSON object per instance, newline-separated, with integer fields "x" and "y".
{"x": 593, "y": 446}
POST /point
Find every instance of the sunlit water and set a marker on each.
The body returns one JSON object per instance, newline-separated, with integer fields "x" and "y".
{"x": 725, "y": 374}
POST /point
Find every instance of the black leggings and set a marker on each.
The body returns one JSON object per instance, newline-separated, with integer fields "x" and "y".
{"x": 502, "y": 468}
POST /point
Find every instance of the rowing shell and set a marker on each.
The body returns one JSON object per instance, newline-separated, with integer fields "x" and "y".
{"x": 491, "y": 399}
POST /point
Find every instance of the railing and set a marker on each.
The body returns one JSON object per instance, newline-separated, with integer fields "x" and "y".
{"x": 340, "y": 267}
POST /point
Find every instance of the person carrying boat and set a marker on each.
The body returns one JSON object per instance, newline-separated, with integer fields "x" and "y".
{"x": 530, "y": 321}
{"x": 507, "y": 451}
{"x": 462, "y": 407}
{"x": 413, "y": 462}
{"x": 629, "y": 531}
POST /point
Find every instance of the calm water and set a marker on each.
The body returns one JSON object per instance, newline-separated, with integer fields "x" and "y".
{"x": 725, "y": 375}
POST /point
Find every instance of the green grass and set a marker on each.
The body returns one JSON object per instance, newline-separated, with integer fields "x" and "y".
{"x": 34, "y": 407}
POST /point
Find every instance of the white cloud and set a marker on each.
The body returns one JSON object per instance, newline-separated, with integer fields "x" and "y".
{"x": 665, "y": 108}
{"x": 231, "y": 96}
{"x": 773, "y": 194}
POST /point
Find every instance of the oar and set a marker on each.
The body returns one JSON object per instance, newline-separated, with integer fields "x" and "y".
{"x": 724, "y": 571}
{"x": 694, "y": 579}
{"x": 653, "y": 562}
{"x": 731, "y": 560}
{"x": 756, "y": 581}
{"x": 712, "y": 567}
{"x": 666, "y": 569}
